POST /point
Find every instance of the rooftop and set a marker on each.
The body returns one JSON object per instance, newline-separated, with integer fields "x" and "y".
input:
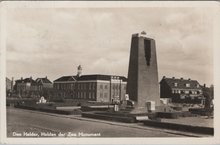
{"x": 181, "y": 83}
{"x": 90, "y": 77}
{"x": 43, "y": 80}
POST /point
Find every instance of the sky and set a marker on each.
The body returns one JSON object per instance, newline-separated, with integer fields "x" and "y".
{"x": 52, "y": 42}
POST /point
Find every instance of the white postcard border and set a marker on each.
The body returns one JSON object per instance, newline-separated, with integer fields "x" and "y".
{"x": 46, "y": 4}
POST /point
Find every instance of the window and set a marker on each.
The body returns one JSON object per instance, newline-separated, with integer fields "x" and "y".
{"x": 101, "y": 87}
{"x": 175, "y": 84}
{"x": 187, "y": 85}
{"x": 81, "y": 86}
{"x": 93, "y": 95}
{"x": 85, "y": 95}
{"x": 186, "y": 91}
{"x": 101, "y": 95}
{"x": 106, "y": 86}
{"x": 106, "y": 95}
{"x": 90, "y": 86}
{"x": 94, "y": 86}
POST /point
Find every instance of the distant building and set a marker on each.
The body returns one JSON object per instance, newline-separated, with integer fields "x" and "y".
{"x": 9, "y": 84}
{"x": 65, "y": 86}
{"x": 44, "y": 83}
{"x": 181, "y": 90}
{"x": 26, "y": 86}
{"x": 101, "y": 88}
{"x": 9, "y": 87}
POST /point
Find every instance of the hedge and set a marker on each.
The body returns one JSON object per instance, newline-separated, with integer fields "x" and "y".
{"x": 180, "y": 127}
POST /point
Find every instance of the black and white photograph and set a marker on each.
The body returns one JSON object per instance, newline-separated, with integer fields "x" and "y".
{"x": 109, "y": 70}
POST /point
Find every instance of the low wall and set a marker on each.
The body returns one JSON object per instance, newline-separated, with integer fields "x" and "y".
{"x": 125, "y": 119}
{"x": 49, "y": 110}
{"x": 96, "y": 108}
{"x": 175, "y": 115}
{"x": 180, "y": 127}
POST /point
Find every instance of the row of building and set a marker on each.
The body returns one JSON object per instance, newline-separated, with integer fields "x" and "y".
{"x": 104, "y": 88}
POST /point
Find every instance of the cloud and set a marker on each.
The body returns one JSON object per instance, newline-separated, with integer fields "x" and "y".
{"x": 53, "y": 41}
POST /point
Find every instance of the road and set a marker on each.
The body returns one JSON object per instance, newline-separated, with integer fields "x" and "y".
{"x": 25, "y": 122}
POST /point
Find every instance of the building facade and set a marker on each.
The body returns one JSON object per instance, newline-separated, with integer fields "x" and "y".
{"x": 9, "y": 87}
{"x": 44, "y": 84}
{"x": 27, "y": 84}
{"x": 29, "y": 87}
{"x": 101, "y": 88}
{"x": 181, "y": 90}
{"x": 65, "y": 86}
{"x": 9, "y": 84}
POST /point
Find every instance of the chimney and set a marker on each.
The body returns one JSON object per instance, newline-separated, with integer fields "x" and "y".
{"x": 31, "y": 77}
{"x": 164, "y": 77}
{"x": 46, "y": 77}
{"x": 204, "y": 85}
{"x": 189, "y": 79}
{"x": 173, "y": 77}
{"x": 22, "y": 78}
{"x": 181, "y": 78}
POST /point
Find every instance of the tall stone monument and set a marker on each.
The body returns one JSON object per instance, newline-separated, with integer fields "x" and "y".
{"x": 142, "y": 85}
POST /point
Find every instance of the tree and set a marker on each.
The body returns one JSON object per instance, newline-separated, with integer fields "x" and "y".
{"x": 208, "y": 93}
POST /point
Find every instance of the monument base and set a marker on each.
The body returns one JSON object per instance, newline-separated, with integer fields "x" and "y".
{"x": 141, "y": 108}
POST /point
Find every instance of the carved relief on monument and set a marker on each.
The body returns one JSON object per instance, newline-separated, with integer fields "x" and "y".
{"x": 147, "y": 49}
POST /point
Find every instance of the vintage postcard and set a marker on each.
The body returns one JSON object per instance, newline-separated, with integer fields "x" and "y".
{"x": 113, "y": 72}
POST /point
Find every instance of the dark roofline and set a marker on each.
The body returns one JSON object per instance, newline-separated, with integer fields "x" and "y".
{"x": 63, "y": 78}
{"x": 91, "y": 77}
{"x": 101, "y": 77}
{"x": 174, "y": 78}
{"x": 181, "y": 83}
{"x": 43, "y": 79}
{"x": 32, "y": 81}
